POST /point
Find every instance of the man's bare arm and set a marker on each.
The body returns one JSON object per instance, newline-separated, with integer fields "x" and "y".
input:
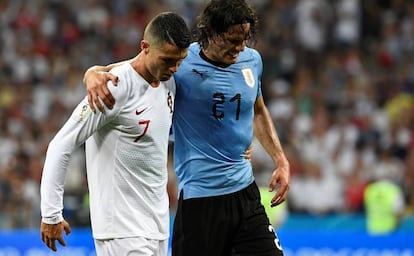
{"x": 266, "y": 133}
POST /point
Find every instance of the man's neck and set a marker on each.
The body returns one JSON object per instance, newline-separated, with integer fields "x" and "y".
{"x": 205, "y": 57}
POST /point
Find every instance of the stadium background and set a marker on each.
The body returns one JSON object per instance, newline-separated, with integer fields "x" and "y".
{"x": 338, "y": 80}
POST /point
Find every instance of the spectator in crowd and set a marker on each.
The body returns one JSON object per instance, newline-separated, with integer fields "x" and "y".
{"x": 384, "y": 202}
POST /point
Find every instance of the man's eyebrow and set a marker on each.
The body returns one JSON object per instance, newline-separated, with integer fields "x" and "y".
{"x": 172, "y": 58}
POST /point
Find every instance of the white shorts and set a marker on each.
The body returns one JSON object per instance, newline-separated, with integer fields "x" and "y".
{"x": 132, "y": 246}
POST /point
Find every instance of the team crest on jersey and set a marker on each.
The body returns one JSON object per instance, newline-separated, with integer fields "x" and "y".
{"x": 82, "y": 112}
{"x": 248, "y": 76}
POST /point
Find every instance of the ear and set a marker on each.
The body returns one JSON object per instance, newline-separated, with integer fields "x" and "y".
{"x": 145, "y": 45}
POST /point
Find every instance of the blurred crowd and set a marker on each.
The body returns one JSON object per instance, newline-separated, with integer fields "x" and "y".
{"x": 338, "y": 81}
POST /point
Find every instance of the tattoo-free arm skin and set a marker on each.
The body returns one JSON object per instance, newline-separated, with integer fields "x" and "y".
{"x": 265, "y": 132}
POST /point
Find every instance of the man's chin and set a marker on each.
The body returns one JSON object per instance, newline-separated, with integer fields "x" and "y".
{"x": 231, "y": 59}
{"x": 165, "y": 78}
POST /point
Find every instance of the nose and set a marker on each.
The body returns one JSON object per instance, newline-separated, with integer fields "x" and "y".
{"x": 174, "y": 68}
{"x": 240, "y": 47}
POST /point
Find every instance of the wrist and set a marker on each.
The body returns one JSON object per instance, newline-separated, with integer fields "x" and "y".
{"x": 52, "y": 220}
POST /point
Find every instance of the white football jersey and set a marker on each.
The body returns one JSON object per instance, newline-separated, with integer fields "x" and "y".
{"x": 126, "y": 160}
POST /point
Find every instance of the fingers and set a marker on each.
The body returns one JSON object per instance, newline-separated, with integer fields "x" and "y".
{"x": 51, "y": 244}
{"x": 90, "y": 102}
{"x": 113, "y": 78}
{"x": 248, "y": 154}
{"x": 281, "y": 178}
{"x": 107, "y": 97}
{"x": 49, "y": 241}
{"x": 66, "y": 227}
{"x": 52, "y": 232}
{"x": 97, "y": 102}
{"x": 104, "y": 94}
{"x": 61, "y": 241}
{"x": 93, "y": 99}
{"x": 280, "y": 196}
{"x": 98, "y": 92}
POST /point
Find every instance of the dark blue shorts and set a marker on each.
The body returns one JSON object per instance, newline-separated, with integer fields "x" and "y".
{"x": 229, "y": 225}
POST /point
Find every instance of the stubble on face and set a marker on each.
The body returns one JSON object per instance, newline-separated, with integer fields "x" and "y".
{"x": 225, "y": 48}
{"x": 164, "y": 61}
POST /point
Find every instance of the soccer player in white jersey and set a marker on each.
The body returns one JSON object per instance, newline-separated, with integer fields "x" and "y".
{"x": 126, "y": 151}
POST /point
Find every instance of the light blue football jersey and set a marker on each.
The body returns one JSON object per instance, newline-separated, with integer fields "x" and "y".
{"x": 213, "y": 123}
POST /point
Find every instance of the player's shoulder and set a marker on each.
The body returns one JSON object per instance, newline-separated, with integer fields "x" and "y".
{"x": 127, "y": 75}
{"x": 121, "y": 69}
{"x": 126, "y": 81}
{"x": 193, "y": 52}
{"x": 250, "y": 53}
{"x": 250, "y": 57}
{"x": 194, "y": 48}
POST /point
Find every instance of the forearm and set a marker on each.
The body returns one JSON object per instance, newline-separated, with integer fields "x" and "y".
{"x": 52, "y": 183}
{"x": 265, "y": 132}
{"x": 107, "y": 67}
{"x": 99, "y": 68}
{"x": 58, "y": 155}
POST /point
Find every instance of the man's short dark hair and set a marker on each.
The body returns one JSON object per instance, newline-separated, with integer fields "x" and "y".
{"x": 219, "y": 15}
{"x": 169, "y": 27}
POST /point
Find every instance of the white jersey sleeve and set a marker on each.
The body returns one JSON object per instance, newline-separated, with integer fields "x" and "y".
{"x": 77, "y": 129}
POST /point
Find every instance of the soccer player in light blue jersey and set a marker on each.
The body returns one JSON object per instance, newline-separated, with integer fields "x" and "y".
{"x": 219, "y": 107}
{"x": 213, "y": 123}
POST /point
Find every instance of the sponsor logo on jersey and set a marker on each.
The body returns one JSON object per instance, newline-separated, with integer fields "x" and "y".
{"x": 248, "y": 77}
{"x": 200, "y": 73}
{"x": 139, "y": 112}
